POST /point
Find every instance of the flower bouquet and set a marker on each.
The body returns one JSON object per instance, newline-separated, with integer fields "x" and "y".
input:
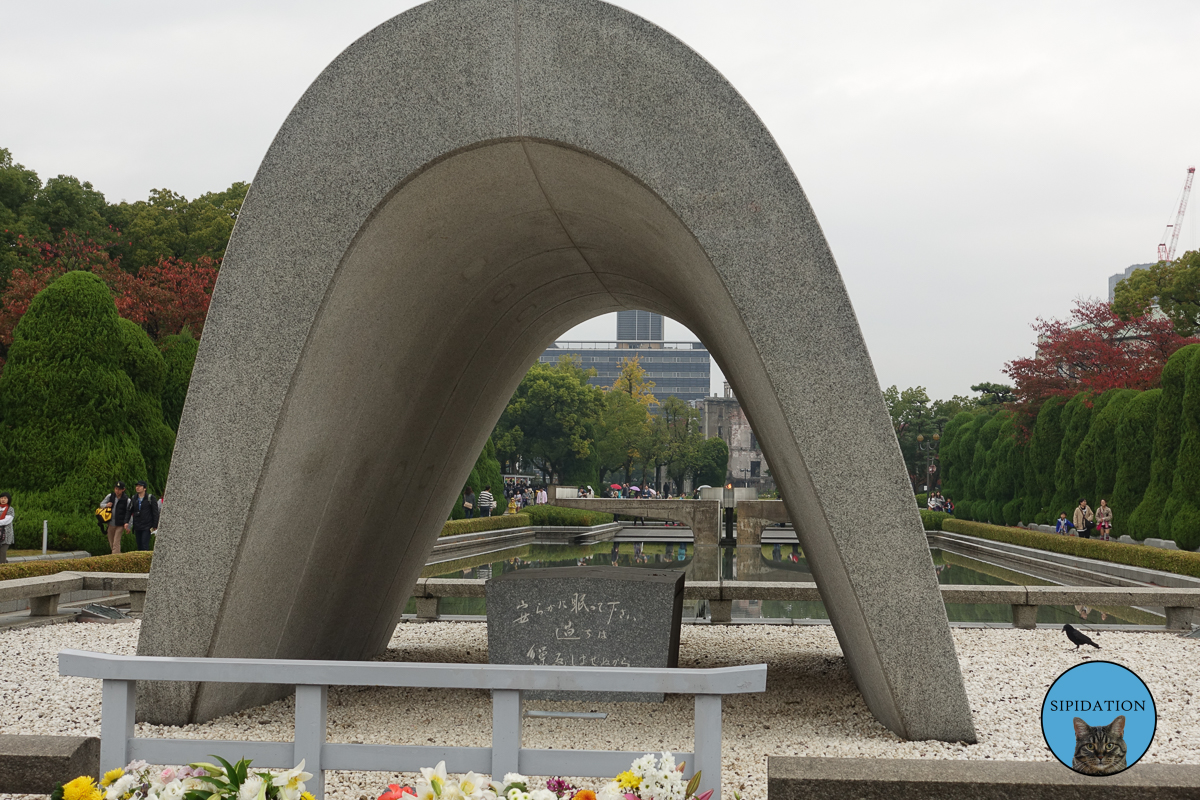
{"x": 648, "y": 778}
{"x": 200, "y": 781}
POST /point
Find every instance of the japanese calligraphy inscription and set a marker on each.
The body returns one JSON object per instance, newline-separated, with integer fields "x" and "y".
{"x": 586, "y": 617}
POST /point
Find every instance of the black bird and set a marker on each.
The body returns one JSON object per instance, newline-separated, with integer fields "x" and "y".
{"x": 1078, "y": 639}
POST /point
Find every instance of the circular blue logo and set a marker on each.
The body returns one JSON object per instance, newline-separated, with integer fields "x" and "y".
{"x": 1098, "y": 718}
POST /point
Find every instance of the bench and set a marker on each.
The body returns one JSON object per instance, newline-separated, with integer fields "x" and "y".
{"x": 312, "y": 679}
{"x": 36, "y": 764}
{"x": 795, "y": 778}
{"x": 43, "y": 591}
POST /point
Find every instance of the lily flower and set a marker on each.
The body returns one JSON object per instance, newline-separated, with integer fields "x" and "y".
{"x": 291, "y": 782}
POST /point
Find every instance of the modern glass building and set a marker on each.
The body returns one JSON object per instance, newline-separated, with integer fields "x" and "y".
{"x": 681, "y": 369}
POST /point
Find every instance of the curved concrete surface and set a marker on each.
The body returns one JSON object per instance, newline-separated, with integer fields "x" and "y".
{"x": 458, "y": 188}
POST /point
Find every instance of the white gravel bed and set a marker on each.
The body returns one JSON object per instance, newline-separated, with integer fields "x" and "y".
{"x": 811, "y": 706}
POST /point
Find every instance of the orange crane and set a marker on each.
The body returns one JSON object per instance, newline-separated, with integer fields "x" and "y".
{"x": 1166, "y": 253}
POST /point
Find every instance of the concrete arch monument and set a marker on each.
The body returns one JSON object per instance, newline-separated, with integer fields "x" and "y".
{"x": 458, "y": 188}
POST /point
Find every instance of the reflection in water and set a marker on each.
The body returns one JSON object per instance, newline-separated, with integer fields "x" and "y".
{"x": 771, "y": 562}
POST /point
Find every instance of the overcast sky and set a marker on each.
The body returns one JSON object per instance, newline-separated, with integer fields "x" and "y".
{"x": 973, "y": 165}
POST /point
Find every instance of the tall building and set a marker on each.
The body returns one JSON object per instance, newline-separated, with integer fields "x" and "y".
{"x": 639, "y": 325}
{"x": 681, "y": 369}
{"x": 1113, "y": 280}
{"x": 723, "y": 418}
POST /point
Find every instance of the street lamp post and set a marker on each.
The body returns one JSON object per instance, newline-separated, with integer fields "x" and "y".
{"x": 930, "y": 449}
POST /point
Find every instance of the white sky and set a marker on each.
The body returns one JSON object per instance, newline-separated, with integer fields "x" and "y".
{"x": 974, "y": 165}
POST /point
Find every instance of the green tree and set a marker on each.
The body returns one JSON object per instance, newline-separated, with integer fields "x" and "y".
{"x": 1172, "y": 285}
{"x": 168, "y": 225}
{"x": 1144, "y": 522}
{"x": 1134, "y": 454}
{"x": 179, "y": 353}
{"x": 69, "y": 409}
{"x": 1096, "y": 458}
{"x": 1076, "y": 419}
{"x": 622, "y": 430}
{"x": 1180, "y": 521}
{"x": 1045, "y": 444}
{"x": 683, "y": 439}
{"x": 552, "y": 417}
{"x": 712, "y": 463}
{"x": 994, "y": 394}
{"x": 486, "y": 472}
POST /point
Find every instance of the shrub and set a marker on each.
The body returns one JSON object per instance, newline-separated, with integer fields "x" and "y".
{"x": 479, "y": 524}
{"x": 932, "y": 520}
{"x": 1177, "y": 561}
{"x": 1095, "y": 460}
{"x": 568, "y": 517}
{"x": 1044, "y": 446}
{"x": 1076, "y": 419}
{"x": 125, "y": 562}
{"x": 951, "y": 455}
{"x": 1181, "y": 516}
{"x": 922, "y": 500}
{"x": 79, "y": 411}
{"x": 486, "y": 472}
{"x": 1144, "y": 521}
{"x": 1134, "y": 446}
{"x": 179, "y": 354}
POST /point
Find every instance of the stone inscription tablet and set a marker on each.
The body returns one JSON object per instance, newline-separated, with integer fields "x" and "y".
{"x": 586, "y": 617}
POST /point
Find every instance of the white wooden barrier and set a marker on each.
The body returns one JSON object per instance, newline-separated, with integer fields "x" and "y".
{"x": 312, "y": 679}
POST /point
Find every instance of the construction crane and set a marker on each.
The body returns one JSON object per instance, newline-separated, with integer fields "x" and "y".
{"x": 1165, "y": 252}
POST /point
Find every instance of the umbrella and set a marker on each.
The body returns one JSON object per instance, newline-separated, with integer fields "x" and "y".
{"x": 615, "y": 486}
{"x": 634, "y": 489}
{"x": 705, "y": 486}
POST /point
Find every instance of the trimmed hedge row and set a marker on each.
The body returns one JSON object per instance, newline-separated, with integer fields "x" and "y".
{"x": 933, "y": 519}
{"x": 125, "y": 562}
{"x": 557, "y": 515}
{"x": 1180, "y": 562}
{"x": 455, "y": 527}
{"x": 1140, "y": 451}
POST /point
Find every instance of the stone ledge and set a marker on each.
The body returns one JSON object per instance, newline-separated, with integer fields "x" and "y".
{"x": 792, "y": 778}
{"x": 36, "y": 764}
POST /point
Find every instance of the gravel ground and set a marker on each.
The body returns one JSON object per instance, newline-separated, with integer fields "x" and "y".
{"x": 811, "y": 706}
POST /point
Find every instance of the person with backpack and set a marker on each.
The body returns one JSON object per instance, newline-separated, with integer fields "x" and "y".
{"x": 117, "y": 503}
{"x": 143, "y": 515}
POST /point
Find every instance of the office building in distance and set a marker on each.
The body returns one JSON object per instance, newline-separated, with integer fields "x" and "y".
{"x": 681, "y": 369}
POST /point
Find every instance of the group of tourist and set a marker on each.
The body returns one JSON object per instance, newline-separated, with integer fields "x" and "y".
{"x": 938, "y": 503}
{"x": 119, "y": 513}
{"x": 1085, "y": 520}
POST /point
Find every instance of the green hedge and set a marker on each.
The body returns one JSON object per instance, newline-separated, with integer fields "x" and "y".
{"x": 933, "y": 519}
{"x": 456, "y": 527}
{"x": 125, "y": 562}
{"x": 557, "y": 515}
{"x": 1179, "y": 562}
{"x": 922, "y": 500}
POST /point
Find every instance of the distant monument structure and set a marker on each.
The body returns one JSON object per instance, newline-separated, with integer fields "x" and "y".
{"x": 459, "y": 187}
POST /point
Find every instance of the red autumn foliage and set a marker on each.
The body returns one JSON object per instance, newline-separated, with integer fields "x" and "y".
{"x": 163, "y": 298}
{"x": 1094, "y": 350}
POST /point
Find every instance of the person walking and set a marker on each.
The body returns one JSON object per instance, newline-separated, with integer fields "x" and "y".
{"x": 1104, "y": 517}
{"x": 486, "y": 502}
{"x": 1084, "y": 518}
{"x": 143, "y": 515}
{"x": 469, "y": 502}
{"x": 6, "y": 526}
{"x": 118, "y": 503}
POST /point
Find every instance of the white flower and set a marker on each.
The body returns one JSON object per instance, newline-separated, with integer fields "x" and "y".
{"x": 121, "y": 786}
{"x": 253, "y": 788}
{"x": 291, "y": 782}
{"x": 172, "y": 791}
{"x": 666, "y": 761}
{"x": 472, "y": 786}
{"x": 610, "y": 791}
{"x": 517, "y": 794}
{"x": 425, "y": 791}
{"x": 644, "y": 766}
{"x": 542, "y": 794}
{"x": 514, "y": 777}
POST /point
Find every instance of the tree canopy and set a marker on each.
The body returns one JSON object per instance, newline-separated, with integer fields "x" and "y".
{"x": 1174, "y": 286}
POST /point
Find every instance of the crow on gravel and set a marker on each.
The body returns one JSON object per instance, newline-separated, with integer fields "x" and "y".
{"x": 1078, "y": 639}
